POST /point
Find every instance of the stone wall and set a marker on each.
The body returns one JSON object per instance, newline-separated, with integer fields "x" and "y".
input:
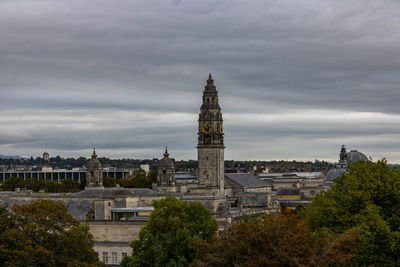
{"x": 113, "y": 238}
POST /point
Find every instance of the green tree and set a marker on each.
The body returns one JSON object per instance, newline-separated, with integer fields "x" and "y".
{"x": 152, "y": 175}
{"x": 367, "y": 199}
{"x": 170, "y": 236}
{"x": 11, "y": 183}
{"x": 35, "y": 184}
{"x": 71, "y": 186}
{"x": 141, "y": 182}
{"x": 2, "y": 210}
{"x": 109, "y": 182}
{"x": 139, "y": 173}
{"x": 44, "y": 234}
{"x": 275, "y": 240}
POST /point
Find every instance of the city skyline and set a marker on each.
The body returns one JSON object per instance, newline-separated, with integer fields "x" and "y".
{"x": 295, "y": 80}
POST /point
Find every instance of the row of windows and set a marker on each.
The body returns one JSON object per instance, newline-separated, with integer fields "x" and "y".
{"x": 114, "y": 257}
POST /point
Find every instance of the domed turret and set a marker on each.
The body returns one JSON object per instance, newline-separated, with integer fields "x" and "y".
{"x": 335, "y": 172}
{"x": 166, "y": 160}
{"x": 94, "y": 162}
{"x": 345, "y": 157}
{"x": 94, "y": 172}
{"x": 354, "y": 156}
{"x": 166, "y": 171}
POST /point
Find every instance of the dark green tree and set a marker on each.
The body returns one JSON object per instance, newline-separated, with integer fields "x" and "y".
{"x": 11, "y": 183}
{"x": 366, "y": 199}
{"x": 44, "y": 234}
{"x": 36, "y": 185}
{"x": 152, "y": 175}
{"x": 170, "y": 236}
{"x": 2, "y": 210}
{"x": 275, "y": 240}
{"x": 139, "y": 173}
{"x": 109, "y": 182}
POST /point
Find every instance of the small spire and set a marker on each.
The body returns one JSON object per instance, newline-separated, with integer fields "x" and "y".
{"x": 166, "y": 155}
{"x": 210, "y": 81}
{"x": 94, "y": 153}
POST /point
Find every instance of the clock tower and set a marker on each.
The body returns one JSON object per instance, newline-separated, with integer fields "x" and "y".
{"x": 210, "y": 148}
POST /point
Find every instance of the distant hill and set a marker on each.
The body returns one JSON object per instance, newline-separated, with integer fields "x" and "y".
{"x": 10, "y": 157}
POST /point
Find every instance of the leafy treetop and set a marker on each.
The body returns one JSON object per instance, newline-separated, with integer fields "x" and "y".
{"x": 44, "y": 234}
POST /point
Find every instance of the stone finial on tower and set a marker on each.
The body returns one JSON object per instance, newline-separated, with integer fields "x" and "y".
{"x": 94, "y": 155}
{"x": 210, "y": 81}
{"x": 343, "y": 155}
{"x": 166, "y": 155}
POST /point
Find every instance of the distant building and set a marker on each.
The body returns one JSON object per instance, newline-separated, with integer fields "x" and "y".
{"x": 47, "y": 169}
{"x": 46, "y": 156}
{"x": 145, "y": 167}
{"x": 260, "y": 169}
{"x": 94, "y": 172}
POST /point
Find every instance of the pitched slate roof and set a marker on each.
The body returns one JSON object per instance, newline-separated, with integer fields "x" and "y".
{"x": 115, "y": 192}
{"x": 78, "y": 209}
{"x": 105, "y": 193}
{"x": 245, "y": 179}
{"x": 184, "y": 176}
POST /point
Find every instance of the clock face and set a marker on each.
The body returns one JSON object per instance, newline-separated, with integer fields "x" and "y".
{"x": 207, "y": 128}
{"x": 221, "y": 129}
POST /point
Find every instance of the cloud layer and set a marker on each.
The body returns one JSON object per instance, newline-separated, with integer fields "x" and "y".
{"x": 297, "y": 79}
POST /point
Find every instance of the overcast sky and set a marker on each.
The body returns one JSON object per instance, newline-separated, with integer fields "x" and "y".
{"x": 296, "y": 79}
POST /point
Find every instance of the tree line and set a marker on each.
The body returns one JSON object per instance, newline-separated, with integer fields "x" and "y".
{"x": 138, "y": 179}
{"x": 68, "y": 163}
{"x": 66, "y": 186}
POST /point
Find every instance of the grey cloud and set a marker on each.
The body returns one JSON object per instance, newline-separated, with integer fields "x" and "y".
{"x": 268, "y": 57}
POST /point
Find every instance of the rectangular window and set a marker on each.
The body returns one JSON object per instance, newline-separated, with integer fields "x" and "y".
{"x": 124, "y": 254}
{"x": 105, "y": 257}
{"x": 114, "y": 258}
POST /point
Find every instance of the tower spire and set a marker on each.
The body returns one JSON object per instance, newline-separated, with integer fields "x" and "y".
{"x": 94, "y": 155}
